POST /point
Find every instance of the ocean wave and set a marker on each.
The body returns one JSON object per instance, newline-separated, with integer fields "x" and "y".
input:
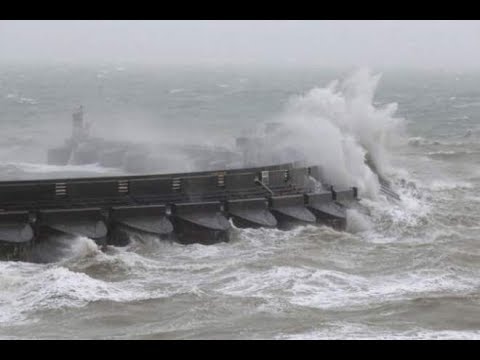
{"x": 329, "y": 289}
{"x": 467, "y": 105}
{"x": 21, "y": 99}
{"x": 309, "y": 267}
{"x": 357, "y": 331}
{"x": 175, "y": 91}
{"x": 83, "y": 274}
{"x": 462, "y": 117}
{"x": 344, "y": 117}
{"x": 451, "y": 154}
{"x": 442, "y": 185}
{"x": 33, "y": 288}
{"x": 421, "y": 141}
{"x": 400, "y": 220}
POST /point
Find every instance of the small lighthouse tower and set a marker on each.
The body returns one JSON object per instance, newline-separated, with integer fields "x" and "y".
{"x": 79, "y": 128}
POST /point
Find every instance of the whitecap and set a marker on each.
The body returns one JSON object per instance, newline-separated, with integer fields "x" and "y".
{"x": 175, "y": 91}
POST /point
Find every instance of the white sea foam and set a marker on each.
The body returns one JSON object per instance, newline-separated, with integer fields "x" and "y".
{"x": 21, "y": 99}
{"x": 34, "y": 287}
{"x": 335, "y": 127}
{"x": 330, "y": 289}
{"x": 349, "y": 330}
{"x": 175, "y": 91}
{"x": 467, "y": 105}
{"x": 357, "y": 222}
{"x": 442, "y": 185}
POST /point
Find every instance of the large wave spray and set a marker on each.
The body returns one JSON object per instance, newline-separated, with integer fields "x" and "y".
{"x": 336, "y": 127}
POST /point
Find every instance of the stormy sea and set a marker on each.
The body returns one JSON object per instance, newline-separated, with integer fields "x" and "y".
{"x": 407, "y": 269}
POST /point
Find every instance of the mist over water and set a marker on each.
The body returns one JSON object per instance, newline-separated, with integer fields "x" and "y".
{"x": 408, "y": 269}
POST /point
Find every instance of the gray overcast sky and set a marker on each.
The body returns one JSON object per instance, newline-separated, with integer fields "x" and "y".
{"x": 438, "y": 44}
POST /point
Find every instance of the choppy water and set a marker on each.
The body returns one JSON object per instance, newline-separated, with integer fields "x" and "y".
{"x": 406, "y": 270}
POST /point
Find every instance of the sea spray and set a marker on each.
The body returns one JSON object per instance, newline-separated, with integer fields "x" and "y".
{"x": 336, "y": 127}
